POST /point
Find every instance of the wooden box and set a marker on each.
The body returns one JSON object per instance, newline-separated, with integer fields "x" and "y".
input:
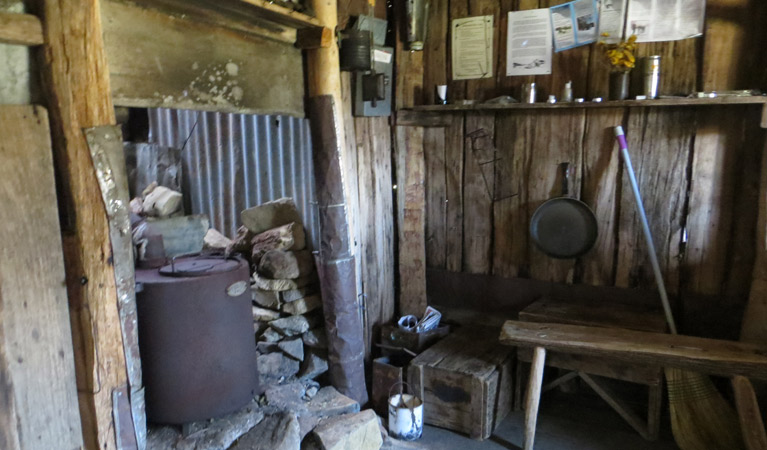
{"x": 388, "y": 372}
{"x": 394, "y": 337}
{"x": 465, "y": 381}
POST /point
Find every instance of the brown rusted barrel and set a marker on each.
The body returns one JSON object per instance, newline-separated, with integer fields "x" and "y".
{"x": 196, "y": 338}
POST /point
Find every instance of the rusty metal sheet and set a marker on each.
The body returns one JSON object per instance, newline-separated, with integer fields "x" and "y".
{"x": 233, "y": 162}
{"x": 106, "y": 148}
{"x": 336, "y": 264}
{"x": 150, "y": 162}
{"x": 121, "y": 412}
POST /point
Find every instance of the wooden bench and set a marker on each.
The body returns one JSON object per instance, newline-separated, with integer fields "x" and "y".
{"x": 600, "y": 314}
{"x": 708, "y": 356}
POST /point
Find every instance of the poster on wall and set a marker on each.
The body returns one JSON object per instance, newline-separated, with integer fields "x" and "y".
{"x": 529, "y": 43}
{"x": 612, "y": 20}
{"x": 665, "y": 20}
{"x": 472, "y": 44}
{"x": 574, "y": 24}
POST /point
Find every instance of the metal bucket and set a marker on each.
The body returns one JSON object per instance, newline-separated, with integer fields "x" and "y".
{"x": 405, "y": 416}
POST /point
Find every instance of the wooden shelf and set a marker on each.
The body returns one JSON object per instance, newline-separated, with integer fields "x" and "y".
{"x": 280, "y": 14}
{"x": 755, "y": 100}
{"x": 20, "y": 29}
{"x": 259, "y": 17}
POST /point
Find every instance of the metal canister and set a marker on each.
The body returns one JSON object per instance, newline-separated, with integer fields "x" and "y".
{"x": 528, "y": 93}
{"x": 417, "y": 12}
{"x": 651, "y": 76}
{"x": 195, "y": 324}
{"x": 355, "y": 53}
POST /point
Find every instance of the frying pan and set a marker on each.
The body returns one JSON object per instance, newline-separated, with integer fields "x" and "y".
{"x": 564, "y": 227}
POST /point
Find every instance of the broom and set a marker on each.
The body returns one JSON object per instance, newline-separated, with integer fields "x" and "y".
{"x": 701, "y": 419}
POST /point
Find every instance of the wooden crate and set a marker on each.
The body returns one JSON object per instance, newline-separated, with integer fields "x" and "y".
{"x": 393, "y": 337}
{"x": 388, "y": 372}
{"x": 465, "y": 381}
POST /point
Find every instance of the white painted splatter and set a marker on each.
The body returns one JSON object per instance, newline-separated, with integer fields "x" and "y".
{"x": 232, "y": 69}
{"x": 237, "y": 93}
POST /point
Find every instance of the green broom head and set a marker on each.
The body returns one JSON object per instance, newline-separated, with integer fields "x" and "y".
{"x": 701, "y": 419}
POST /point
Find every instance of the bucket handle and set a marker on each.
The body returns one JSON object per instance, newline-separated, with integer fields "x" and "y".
{"x": 402, "y": 384}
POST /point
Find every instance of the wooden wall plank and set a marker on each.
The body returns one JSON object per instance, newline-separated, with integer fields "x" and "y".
{"x": 435, "y": 53}
{"x": 659, "y": 143}
{"x": 37, "y": 373}
{"x": 715, "y": 169}
{"x": 376, "y": 223}
{"x": 569, "y": 65}
{"x": 478, "y": 188}
{"x": 598, "y": 79}
{"x": 601, "y": 169}
{"x": 379, "y": 253}
{"x": 485, "y": 88}
{"x": 727, "y": 47}
{"x": 721, "y": 222}
{"x": 511, "y": 251}
{"x": 456, "y": 89}
{"x": 744, "y": 233}
{"x": 76, "y": 78}
{"x": 436, "y": 197}
{"x": 679, "y": 65}
{"x": 754, "y": 327}
{"x": 454, "y": 148}
{"x": 409, "y": 66}
{"x": 411, "y": 210}
{"x": 558, "y": 139}
{"x": 510, "y": 85}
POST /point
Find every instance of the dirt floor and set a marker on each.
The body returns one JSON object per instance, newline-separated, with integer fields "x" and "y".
{"x": 566, "y": 422}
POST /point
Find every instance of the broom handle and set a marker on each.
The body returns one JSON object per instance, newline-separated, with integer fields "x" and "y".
{"x": 646, "y": 228}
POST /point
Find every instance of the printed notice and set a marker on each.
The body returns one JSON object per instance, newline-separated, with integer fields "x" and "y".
{"x": 472, "y": 39}
{"x": 574, "y": 24}
{"x": 612, "y": 20}
{"x": 665, "y": 20}
{"x": 528, "y": 50}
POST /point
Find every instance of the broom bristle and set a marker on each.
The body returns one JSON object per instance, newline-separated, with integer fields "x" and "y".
{"x": 701, "y": 419}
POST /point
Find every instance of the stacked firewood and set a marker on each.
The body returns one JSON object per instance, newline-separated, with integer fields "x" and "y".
{"x": 287, "y": 307}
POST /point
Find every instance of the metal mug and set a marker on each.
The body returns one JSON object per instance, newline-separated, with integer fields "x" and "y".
{"x": 528, "y": 93}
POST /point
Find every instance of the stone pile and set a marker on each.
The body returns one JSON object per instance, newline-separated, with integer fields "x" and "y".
{"x": 293, "y": 416}
{"x": 287, "y": 307}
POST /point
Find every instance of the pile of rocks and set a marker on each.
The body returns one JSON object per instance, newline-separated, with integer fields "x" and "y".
{"x": 287, "y": 307}
{"x": 293, "y": 416}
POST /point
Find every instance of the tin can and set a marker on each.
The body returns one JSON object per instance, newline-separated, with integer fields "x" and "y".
{"x": 528, "y": 93}
{"x": 651, "y": 73}
{"x": 567, "y": 92}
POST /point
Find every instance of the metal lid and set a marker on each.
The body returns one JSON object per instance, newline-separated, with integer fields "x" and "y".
{"x": 199, "y": 266}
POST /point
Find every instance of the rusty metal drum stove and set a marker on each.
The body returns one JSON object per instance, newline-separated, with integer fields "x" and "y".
{"x": 196, "y": 338}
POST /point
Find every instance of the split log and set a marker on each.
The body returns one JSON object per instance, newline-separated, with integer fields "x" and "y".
{"x": 279, "y": 264}
{"x": 270, "y": 215}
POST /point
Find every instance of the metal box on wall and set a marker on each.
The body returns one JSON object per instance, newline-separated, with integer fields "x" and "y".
{"x": 383, "y": 66}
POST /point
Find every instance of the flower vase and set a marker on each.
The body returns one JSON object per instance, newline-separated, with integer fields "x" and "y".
{"x": 619, "y": 85}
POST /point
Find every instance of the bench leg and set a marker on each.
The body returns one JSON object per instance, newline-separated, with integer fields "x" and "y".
{"x": 654, "y": 407}
{"x": 749, "y": 414}
{"x": 533, "y": 398}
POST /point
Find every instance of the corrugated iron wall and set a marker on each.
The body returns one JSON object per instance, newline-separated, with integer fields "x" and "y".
{"x": 235, "y": 161}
